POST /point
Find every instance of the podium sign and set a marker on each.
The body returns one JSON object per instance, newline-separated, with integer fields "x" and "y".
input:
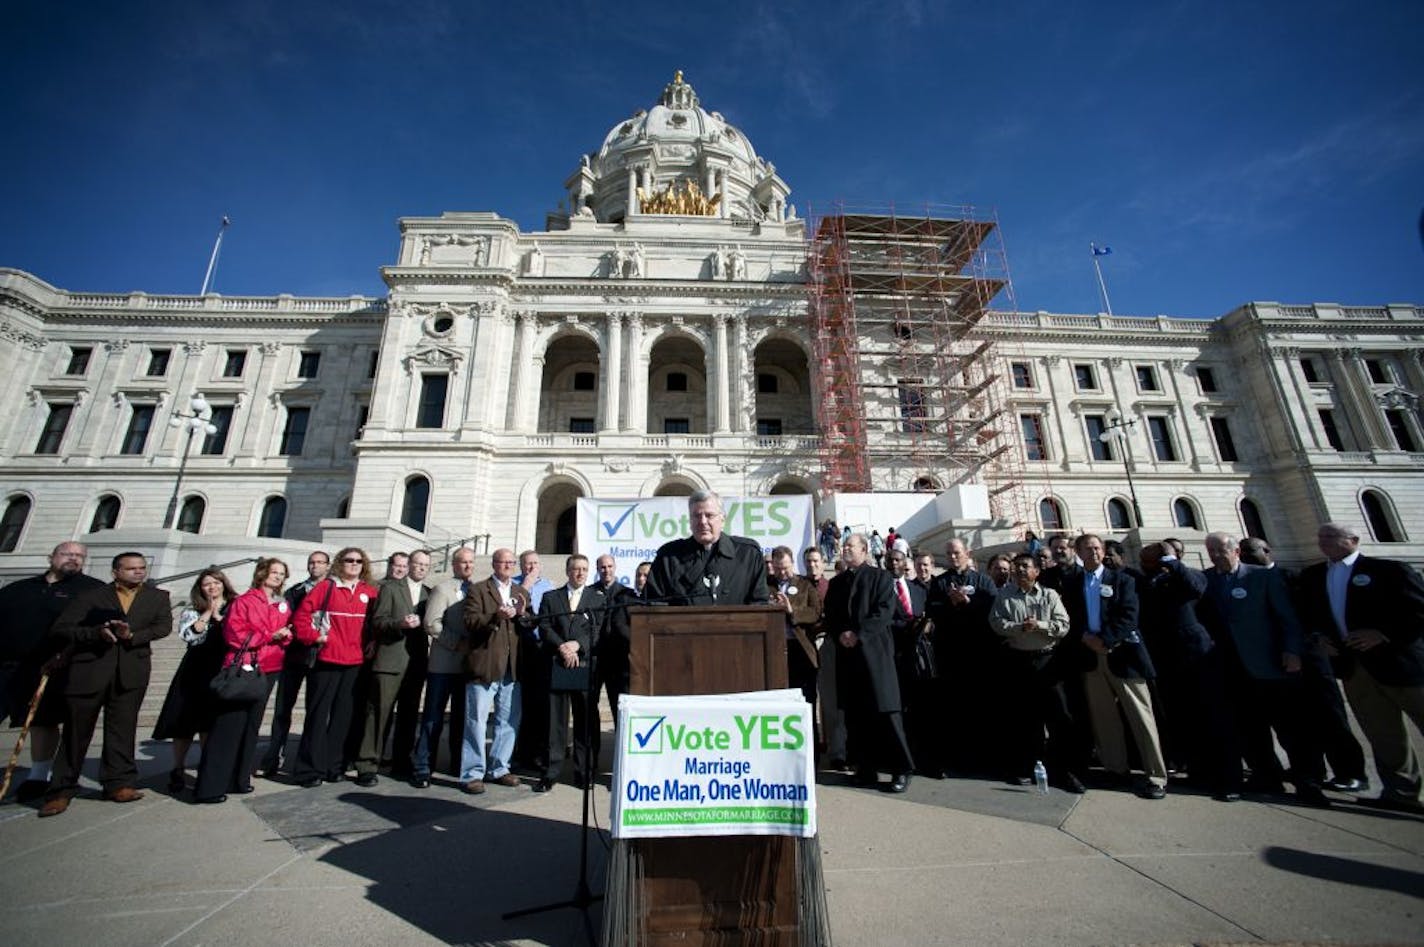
{"x": 732, "y": 764}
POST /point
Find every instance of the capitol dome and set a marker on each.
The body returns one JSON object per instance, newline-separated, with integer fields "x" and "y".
{"x": 673, "y": 146}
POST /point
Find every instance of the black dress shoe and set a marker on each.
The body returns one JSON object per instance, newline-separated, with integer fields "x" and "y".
{"x": 420, "y": 782}
{"x": 900, "y": 782}
{"x": 1229, "y": 795}
{"x": 211, "y": 800}
{"x": 865, "y": 777}
{"x": 1020, "y": 780}
{"x": 1347, "y": 785}
{"x": 1068, "y": 782}
{"x": 312, "y": 783}
{"x": 544, "y": 785}
{"x": 1151, "y": 791}
{"x": 244, "y": 790}
{"x": 177, "y": 782}
{"x": 1312, "y": 795}
{"x": 367, "y": 780}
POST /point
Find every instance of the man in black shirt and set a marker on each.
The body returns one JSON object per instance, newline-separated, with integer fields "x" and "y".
{"x": 29, "y": 608}
{"x": 709, "y": 567}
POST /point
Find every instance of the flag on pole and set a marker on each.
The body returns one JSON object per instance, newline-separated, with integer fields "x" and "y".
{"x": 1100, "y": 251}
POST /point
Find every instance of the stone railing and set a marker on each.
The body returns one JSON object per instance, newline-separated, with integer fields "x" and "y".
{"x": 214, "y": 302}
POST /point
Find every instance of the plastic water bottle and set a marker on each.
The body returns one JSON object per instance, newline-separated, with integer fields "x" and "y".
{"x": 1040, "y": 777}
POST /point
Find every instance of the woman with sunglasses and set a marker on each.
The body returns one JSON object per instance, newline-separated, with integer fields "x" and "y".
{"x": 258, "y": 630}
{"x": 331, "y": 618}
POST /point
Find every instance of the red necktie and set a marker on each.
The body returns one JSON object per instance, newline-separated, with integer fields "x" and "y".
{"x": 904, "y": 592}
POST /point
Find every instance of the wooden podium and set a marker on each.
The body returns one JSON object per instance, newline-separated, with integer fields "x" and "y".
{"x": 712, "y": 891}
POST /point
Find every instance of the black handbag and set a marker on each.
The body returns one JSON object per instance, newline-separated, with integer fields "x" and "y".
{"x": 926, "y": 665}
{"x": 238, "y": 682}
{"x": 562, "y": 679}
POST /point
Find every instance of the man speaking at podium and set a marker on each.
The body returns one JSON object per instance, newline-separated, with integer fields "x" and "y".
{"x": 708, "y": 567}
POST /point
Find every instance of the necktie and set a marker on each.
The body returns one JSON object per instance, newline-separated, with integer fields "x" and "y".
{"x": 904, "y": 594}
{"x": 574, "y": 596}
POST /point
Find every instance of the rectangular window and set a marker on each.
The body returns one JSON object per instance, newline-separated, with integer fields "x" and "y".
{"x": 584, "y": 381}
{"x": 1147, "y": 378}
{"x": 308, "y": 364}
{"x": 1097, "y": 426}
{"x": 1398, "y": 426}
{"x": 373, "y": 364}
{"x": 136, "y": 437}
{"x": 1085, "y": 378}
{"x": 1379, "y": 374}
{"x": 1332, "y": 431}
{"x": 768, "y": 427}
{"x": 676, "y": 426}
{"x": 1035, "y": 448}
{"x": 78, "y": 360}
{"x": 294, "y": 433}
{"x": 1023, "y": 374}
{"x": 216, "y": 444}
{"x": 913, "y": 411}
{"x": 236, "y": 362}
{"x": 431, "y": 413}
{"x": 677, "y": 381}
{"x": 53, "y": 434}
{"x": 1225, "y": 446}
{"x": 158, "y": 362}
{"x": 362, "y": 413}
{"x": 1206, "y": 380}
{"x": 1160, "y": 428}
{"x": 581, "y": 426}
{"x": 1310, "y": 370}
{"x": 766, "y": 383}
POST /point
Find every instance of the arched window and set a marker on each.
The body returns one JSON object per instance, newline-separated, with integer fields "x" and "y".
{"x": 106, "y": 513}
{"x": 190, "y": 518}
{"x": 565, "y": 531}
{"x": 1379, "y": 514}
{"x": 415, "y": 503}
{"x": 1184, "y": 514}
{"x": 924, "y": 485}
{"x": 1251, "y": 520}
{"x": 17, "y": 513}
{"x": 1050, "y": 513}
{"x": 273, "y": 521}
{"x": 1119, "y": 514}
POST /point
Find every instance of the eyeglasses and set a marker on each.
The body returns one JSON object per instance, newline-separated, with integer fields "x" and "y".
{"x": 357, "y": 560}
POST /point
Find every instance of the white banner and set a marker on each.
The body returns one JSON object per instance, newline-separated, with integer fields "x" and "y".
{"x": 632, "y": 530}
{"x": 729, "y": 764}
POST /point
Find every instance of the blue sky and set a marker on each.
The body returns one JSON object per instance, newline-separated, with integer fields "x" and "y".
{"x": 1227, "y": 152}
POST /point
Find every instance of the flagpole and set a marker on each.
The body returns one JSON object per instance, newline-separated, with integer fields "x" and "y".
{"x": 217, "y": 245}
{"x": 1097, "y": 268}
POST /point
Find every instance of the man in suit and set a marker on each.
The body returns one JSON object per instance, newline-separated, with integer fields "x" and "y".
{"x": 967, "y": 652}
{"x": 801, "y": 601}
{"x": 109, "y": 630}
{"x": 1332, "y": 721}
{"x": 709, "y": 567}
{"x": 1248, "y": 612}
{"x": 860, "y": 604}
{"x": 571, "y": 621}
{"x": 1370, "y": 613}
{"x": 1196, "y": 724}
{"x": 611, "y": 669}
{"x": 1103, "y": 607}
{"x": 446, "y": 668}
{"x": 398, "y": 612}
{"x": 497, "y": 614}
{"x": 919, "y": 691}
{"x": 28, "y": 650}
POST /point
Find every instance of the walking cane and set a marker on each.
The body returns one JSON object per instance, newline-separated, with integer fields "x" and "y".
{"x": 24, "y": 732}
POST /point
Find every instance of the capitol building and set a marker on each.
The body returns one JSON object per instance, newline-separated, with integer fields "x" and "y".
{"x": 678, "y": 325}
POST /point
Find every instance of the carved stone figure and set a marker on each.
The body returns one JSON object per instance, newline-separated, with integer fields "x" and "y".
{"x": 738, "y": 264}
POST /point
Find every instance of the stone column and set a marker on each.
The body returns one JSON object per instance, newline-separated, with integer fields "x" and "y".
{"x": 1066, "y": 454}
{"x": 720, "y": 389}
{"x": 1347, "y": 389}
{"x": 1175, "y": 367}
{"x": 252, "y": 422}
{"x": 744, "y": 408}
{"x": 613, "y": 372}
{"x": 632, "y": 191}
{"x": 523, "y": 368}
{"x": 1377, "y": 432}
{"x": 636, "y": 389}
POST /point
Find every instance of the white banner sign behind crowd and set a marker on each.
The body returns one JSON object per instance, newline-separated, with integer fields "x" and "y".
{"x": 727, "y": 764}
{"x": 632, "y": 530}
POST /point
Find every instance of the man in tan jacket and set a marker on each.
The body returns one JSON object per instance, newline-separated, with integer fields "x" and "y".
{"x": 497, "y": 612}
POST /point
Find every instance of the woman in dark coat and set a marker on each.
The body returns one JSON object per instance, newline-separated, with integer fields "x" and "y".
{"x": 188, "y": 708}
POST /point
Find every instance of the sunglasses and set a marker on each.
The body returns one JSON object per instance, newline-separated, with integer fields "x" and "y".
{"x": 357, "y": 561}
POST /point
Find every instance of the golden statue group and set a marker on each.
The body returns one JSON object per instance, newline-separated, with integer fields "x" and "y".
{"x": 670, "y": 200}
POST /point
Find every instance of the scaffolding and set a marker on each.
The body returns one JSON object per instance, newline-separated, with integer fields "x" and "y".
{"x": 910, "y": 399}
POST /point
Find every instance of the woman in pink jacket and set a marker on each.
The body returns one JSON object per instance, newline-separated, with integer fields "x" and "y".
{"x": 332, "y": 617}
{"x": 261, "y": 620}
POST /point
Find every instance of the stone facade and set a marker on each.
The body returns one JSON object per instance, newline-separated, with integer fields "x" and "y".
{"x": 622, "y": 353}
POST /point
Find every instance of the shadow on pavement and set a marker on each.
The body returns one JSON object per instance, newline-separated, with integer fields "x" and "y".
{"x": 1348, "y": 871}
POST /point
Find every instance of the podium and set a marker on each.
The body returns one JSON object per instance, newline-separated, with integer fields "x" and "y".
{"x": 719, "y": 891}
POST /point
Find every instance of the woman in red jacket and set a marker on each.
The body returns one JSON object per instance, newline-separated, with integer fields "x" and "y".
{"x": 332, "y": 617}
{"x": 258, "y": 628}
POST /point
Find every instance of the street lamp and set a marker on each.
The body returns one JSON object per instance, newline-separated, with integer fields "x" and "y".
{"x": 199, "y": 420}
{"x": 1116, "y": 430}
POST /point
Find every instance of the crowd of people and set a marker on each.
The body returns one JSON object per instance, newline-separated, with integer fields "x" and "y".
{"x": 1049, "y": 660}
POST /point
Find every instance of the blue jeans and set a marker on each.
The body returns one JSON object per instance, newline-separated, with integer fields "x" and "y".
{"x": 502, "y": 697}
{"x": 438, "y": 688}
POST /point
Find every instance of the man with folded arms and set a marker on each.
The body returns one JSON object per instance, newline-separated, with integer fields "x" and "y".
{"x": 497, "y": 614}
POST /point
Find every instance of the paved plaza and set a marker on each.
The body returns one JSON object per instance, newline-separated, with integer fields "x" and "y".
{"x": 953, "y": 862}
